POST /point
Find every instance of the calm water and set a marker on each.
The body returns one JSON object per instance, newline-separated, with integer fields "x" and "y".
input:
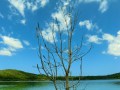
{"x": 84, "y": 85}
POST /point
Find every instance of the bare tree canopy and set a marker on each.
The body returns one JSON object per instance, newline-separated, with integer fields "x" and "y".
{"x": 61, "y": 51}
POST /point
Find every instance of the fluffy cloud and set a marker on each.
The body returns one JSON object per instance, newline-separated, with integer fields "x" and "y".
{"x": 26, "y": 42}
{"x": 113, "y": 47}
{"x": 49, "y": 36}
{"x": 61, "y": 17}
{"x": 62, "y": 20}
{"x": 21, "y": 5}
{"x": 118, "y": 32}
{"x": 23, "y": 21}
{"x": 31, "y": 6}
{"x": 113, "y": 44}
{"x": 44, "y": 2}
{"x": 5, "y": 52}
{"x": 35, "y": 5}
{"x": 88, "y": 24}
{"x": 108, "y": 37}
{"x": 94, "y": 39}
{"x": 103, "y": 4}
{"x": 11, "y": 44}
{"x": 89, "y": 1}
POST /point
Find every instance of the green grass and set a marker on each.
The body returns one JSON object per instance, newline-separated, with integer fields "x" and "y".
{"x": 16, "y": 75}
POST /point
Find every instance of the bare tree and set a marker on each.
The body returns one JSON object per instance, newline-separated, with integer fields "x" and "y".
{"x": 62, "y": 52}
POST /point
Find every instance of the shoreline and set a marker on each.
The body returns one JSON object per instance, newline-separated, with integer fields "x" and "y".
{"x": 63, "y": 80}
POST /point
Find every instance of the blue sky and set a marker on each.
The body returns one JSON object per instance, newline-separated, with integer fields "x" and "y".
{"x": 99, "y": 22}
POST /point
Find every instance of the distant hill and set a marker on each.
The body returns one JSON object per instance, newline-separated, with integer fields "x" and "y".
{"x": 112, "y": 76}
{"x": 16, "y": 75}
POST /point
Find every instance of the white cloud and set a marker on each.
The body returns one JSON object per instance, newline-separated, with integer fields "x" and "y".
{"x": 5, "y": 52}
{"x": 108, "y": 37}
{"x": 94, "y": 39}
{"x": 88, "y": 1}
{"x": 88, "y": 24}
{"x": 31, "y": 6}
{"x": 19, "y": 5}
{"x": 113, "y": 44}
{"x": 118, "y": 32}
{"x": 23, "y": 21}
{"x": 103, "y": 4}
{"x": 1, "y": 15}
{"x": 12, "y": 42}
{"x": 34, "y": 8}
{"x": 113, "y": 47}
{"x": 49, "y": 36}
{"x": 11, "y": 45}
{"x": 26, "y": 42}
{"x": 44, "y": 2}
{"x": 61, "y": 17}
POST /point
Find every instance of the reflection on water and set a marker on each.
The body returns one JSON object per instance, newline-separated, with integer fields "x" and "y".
{"x": 84, "y": 85}
{"x": 24, "y": 85}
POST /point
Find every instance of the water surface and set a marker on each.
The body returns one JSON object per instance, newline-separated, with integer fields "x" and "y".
{"x": 47, "y": 85}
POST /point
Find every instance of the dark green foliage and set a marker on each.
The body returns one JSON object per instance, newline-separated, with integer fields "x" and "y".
{"x": 112, "y": 76}
{"x": 16, "y": 75}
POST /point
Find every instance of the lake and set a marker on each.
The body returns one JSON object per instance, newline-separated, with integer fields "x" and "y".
{"x": 44, "y": 85}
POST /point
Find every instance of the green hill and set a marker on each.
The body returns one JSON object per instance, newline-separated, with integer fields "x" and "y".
{"x": 112, "y": 76}
{"x": 16, "y": 75}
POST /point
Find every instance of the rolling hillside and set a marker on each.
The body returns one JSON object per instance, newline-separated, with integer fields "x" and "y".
{"x": 16, "y": 75}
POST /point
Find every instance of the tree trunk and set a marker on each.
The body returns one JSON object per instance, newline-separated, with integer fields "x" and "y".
{"x": 54, "y": 82}
{"x": 67, "y": 82}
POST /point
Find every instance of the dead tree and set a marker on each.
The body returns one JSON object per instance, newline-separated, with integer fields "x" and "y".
{"x": 61, "y": 54}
